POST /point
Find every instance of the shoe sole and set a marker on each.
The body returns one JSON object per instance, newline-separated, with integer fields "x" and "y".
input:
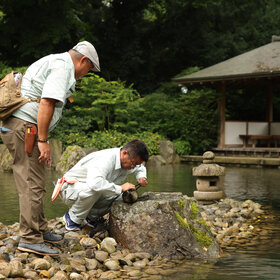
{"x": 36, "y": 252}
{"x": 86, "y": 223}
{"x": 70, "y": 229}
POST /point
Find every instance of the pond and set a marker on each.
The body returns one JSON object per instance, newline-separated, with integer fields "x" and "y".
{"x": 258, "y": 184}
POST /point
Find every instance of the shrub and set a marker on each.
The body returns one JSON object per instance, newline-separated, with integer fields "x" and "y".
{"x": 183, "y": 147}
{"x": 112, "y": 138}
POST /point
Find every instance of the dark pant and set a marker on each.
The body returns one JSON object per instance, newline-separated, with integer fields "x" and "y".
{"x": 29, "y": 176}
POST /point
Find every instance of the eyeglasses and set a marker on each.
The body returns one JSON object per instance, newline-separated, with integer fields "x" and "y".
{"x": 132, "y": 164}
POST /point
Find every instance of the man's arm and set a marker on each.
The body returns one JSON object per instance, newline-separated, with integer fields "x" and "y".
{"x": 140, "y": 173}
{"x": 142, "y": 181}
{"x": 44, "y": 117}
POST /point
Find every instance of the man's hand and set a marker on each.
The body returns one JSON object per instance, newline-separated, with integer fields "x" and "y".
{"x": 142, "y": 181}
{"x": 45, "y": 151}
{"x": 127, "y": 186}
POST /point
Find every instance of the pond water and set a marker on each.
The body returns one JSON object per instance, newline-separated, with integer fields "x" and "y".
{"x": 258, "y": 184}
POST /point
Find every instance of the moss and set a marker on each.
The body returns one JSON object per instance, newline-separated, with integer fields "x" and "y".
{"x": 6, "y": 162}
{"x": 201, "y": 237}
{"x": 182, "y": 204}
{"x": 194, "y": 209}
{"x": 181, "y": 221}
{"x": 202, "y": 222}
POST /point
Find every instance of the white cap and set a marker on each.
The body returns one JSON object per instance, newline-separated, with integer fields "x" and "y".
{"x": 88, "y": 50}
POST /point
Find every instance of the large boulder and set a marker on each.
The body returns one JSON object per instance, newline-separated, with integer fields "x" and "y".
{"x": 168, "y": 224}
{"x": 167, "y": 151}
{"x": 6, "y": 160}
{"x": 167, "y": 155}
{"x": 56, "y": 151}
{"x": 156, "y": 161}
{"x": 69, "y": 158}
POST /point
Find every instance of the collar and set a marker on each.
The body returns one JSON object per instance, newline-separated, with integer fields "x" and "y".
{"x": 118, "y": 159}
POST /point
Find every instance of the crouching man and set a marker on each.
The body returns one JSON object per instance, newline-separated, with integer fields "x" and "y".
{"x": 96, "y": 181}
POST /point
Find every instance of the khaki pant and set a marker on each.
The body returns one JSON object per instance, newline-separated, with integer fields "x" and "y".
{"x": 29, "y": 176}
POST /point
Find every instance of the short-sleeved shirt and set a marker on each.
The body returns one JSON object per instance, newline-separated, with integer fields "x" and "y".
{"x": 52, "y": 76}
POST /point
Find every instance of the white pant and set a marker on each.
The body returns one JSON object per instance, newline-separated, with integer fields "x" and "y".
{"x": 86, "y": 203}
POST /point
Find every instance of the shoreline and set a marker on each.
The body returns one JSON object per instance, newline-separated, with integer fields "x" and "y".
{"x": 240, "y": 161}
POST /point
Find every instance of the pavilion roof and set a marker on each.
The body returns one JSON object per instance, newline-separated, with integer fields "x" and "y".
{"x": 258, "y": 63}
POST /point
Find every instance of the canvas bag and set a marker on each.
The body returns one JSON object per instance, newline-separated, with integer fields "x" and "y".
{"x": 10, "y": 95}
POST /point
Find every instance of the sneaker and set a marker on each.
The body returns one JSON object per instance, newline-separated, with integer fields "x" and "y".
{"x": 38, "y": 248}
{"x": 90, "y": 223}
{"x": 98, "y": 225}
{"x": 69, "y": 224}
{"x": 52, "y": 237}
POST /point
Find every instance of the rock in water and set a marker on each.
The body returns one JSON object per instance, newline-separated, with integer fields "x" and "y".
{"x": 168, "y": 224}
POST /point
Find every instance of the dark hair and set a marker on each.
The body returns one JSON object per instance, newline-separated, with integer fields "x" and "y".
{"x": 138, "y": 149}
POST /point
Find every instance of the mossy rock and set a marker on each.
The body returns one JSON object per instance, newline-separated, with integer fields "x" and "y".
{"x": 6, "y": 160}
{"x": 166, "y": 224}
{"x": 69, "y": 158}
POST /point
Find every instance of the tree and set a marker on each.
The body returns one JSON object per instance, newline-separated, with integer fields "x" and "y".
{"x": 33, "y": 28}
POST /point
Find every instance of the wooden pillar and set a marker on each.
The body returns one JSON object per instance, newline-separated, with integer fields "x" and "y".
{"x": 222, "y": 114}
{"x": 269, "y": 107}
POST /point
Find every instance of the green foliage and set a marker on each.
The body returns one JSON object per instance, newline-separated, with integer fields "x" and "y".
{"x": 183, "y": 147}
{"x": 97, "y": 104}
{"x": 190, "y": 120}
{"x": 101, "y": 101}
{"x": 200, "y": 122}
{"x": 251, "y": 95}
{"x": 144, "y": 42}
{"x": 108, "y": 114}
{"x": 156, "y": 112}
{"x": 31, "y": 29}
{"x": 4, "y": 70}
{"x": 112, "y": 138}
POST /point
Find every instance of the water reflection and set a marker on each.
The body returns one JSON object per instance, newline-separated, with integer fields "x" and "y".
{"x": 262, "y": 185}
{"x": 9, "y": 210}
{"x": 247, "y": 265}
{"x": 176, "y": 178}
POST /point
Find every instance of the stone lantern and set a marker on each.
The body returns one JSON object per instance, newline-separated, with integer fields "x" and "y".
{"x": 209, "y": 183}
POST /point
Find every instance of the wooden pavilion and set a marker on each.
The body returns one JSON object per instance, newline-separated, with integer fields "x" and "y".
{"x": 259, "y": 66}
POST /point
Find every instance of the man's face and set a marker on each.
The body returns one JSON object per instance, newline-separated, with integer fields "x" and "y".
{"x": 128, "y": 162}
{"x": 83, "y": 67}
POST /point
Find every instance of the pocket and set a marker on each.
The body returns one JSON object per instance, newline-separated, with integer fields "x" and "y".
{"x": 69, "y": 196}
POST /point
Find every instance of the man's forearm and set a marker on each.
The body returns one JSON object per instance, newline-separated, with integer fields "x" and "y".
{"x": 44, "y": 117}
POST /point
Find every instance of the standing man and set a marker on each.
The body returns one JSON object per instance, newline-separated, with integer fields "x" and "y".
{"x": 51, "y": 80}
{"x": 96, "y": 181}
